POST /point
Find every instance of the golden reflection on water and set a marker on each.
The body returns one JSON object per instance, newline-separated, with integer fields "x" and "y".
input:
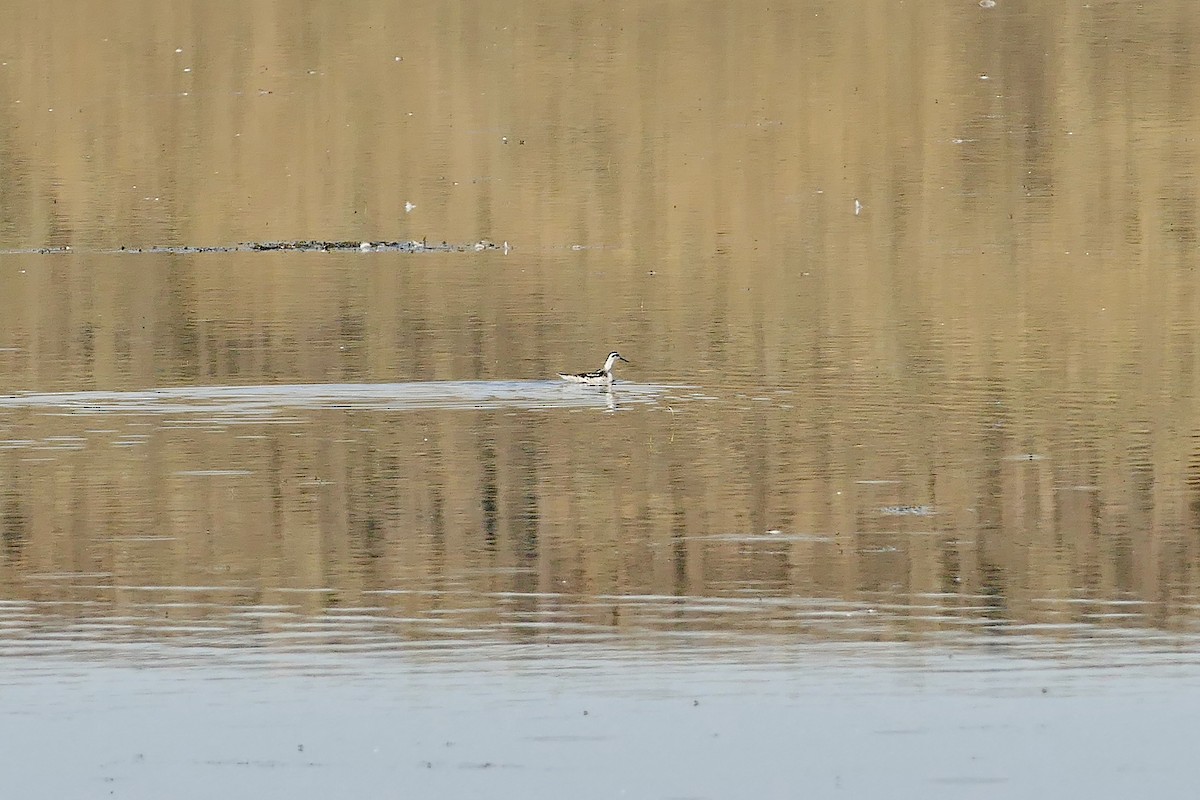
{"x": 923, "y": 315}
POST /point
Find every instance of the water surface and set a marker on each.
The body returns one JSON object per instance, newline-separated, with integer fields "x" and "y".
{"x": 897, "y": 496}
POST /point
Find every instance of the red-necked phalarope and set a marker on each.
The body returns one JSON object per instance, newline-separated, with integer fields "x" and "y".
{"x": 601, "y": 377}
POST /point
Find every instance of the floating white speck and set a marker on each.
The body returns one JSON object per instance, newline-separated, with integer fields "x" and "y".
{"x": 984, "y": 78}
{"x": 987, "y": 3}
{"x": 506, "y": 248}
{"x": 178, "y": 49}
{"x": 858, "y": 207}
{"x": 408, "y": 207}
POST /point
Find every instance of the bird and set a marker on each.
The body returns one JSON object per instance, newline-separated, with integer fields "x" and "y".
{"x": 601, "y": 377}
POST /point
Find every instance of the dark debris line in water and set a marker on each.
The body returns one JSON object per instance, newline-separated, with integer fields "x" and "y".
{"x": 302, "y": 246}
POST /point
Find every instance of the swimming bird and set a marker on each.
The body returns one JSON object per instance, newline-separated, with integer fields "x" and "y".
{"x": 601, "y": 377}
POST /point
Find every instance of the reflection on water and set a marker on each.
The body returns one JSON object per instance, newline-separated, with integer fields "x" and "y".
{"x": 206, "y": 484}
{"x": 398, "y": 516}
{"x": 910, "y": 293}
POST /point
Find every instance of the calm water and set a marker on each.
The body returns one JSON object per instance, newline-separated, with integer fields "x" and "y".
{"x": 897, "y": 497}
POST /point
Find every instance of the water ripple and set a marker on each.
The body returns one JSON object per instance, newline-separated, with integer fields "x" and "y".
{"x": 267, "y": 401}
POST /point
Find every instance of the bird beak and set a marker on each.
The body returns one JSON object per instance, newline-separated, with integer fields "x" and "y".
{"x": 626, "y": 360}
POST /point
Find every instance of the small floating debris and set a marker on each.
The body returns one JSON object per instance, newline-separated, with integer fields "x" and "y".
{"x": 42, "y": 251}
{"x": 1026, "y": 457}
{"x": 908, "y": 511}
